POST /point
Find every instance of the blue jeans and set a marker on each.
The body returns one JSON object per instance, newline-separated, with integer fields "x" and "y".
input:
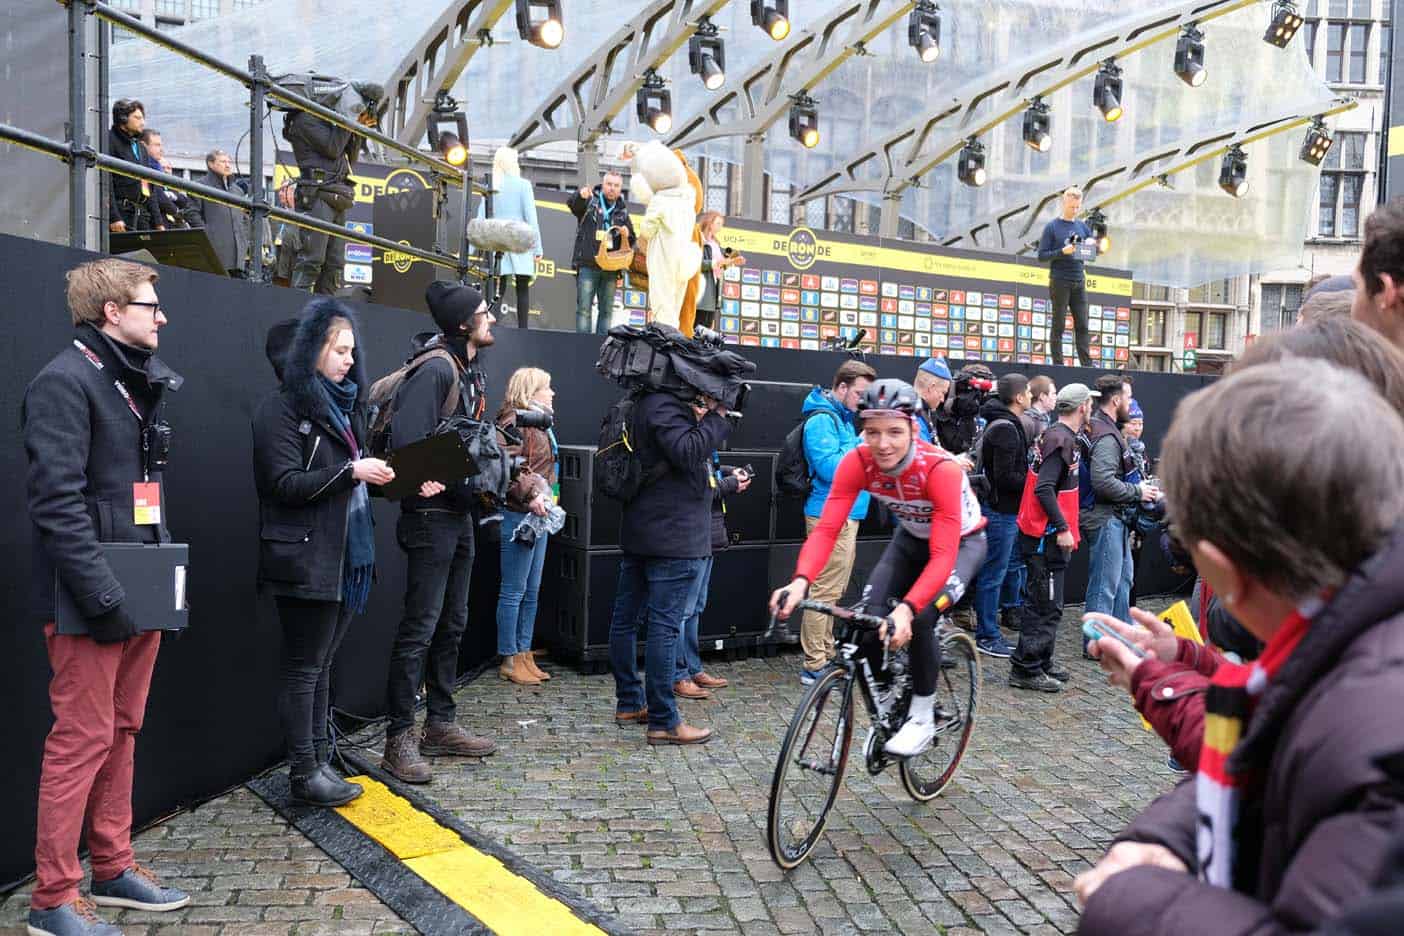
{"x": 665, "y": 589}
{"x": 1110, "y": 571}
{"x": 521, "y": 582}
{"x": 1011, "y": 596}
{"x": 589, "y": 284}
{"x": 1001, "y": 532}
{"x": 689, "y": 650}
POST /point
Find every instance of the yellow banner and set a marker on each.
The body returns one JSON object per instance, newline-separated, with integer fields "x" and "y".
{"x": 367, "y": 187}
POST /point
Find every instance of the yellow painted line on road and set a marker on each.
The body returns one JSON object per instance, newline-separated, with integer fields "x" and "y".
{"x": 505, "y": 902}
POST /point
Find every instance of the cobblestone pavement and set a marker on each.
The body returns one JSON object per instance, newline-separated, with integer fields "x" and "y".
{"x": 671, "y": 840}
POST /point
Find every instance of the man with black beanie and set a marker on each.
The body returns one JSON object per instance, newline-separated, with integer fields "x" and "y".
{"x": 436, "y": 534}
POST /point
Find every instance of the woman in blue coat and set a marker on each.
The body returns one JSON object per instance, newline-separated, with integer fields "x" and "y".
{"x": 514, "y": 200}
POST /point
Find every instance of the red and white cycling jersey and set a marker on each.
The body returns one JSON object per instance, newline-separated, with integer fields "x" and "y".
{"x": 931, "y": 498}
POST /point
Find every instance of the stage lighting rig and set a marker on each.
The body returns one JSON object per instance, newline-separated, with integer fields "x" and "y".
{"x": 804, "y": 120}
{"x": 655, "y": 103}
{"x": 1233, "y": 172}
{"x": 448, "y": 130}
{"x": 924, "y": 30}
{"x": 970, "y": 168}
{"x": 772, "y": 16}
{"x": 1037, "y": 126}
{"x": 1106, "y": 91}
{"x": 1189, "y": 57}
{"x": 546, "y": 30}
{"x": 1284, "y": 25}
{"x": 706, "y": 55}
{"x": 1098, "y": 223}
{"x": 1317, "y": 143}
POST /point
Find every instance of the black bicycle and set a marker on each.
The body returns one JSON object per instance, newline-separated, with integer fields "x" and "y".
{"x": 814, "y": 755}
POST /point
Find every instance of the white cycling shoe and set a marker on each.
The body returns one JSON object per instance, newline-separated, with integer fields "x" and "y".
{"x": 913, "y": 738}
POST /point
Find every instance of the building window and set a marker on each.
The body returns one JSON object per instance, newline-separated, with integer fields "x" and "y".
{"x": 243, "y": 4}
{"x": 1309, "y": 40}
{"x": 202, "y": 9}
{"x": 1215, "y": 292}
{"x": 1280, "y": 302}
{"x": 171, "y": 7}
{"x": 1142, "y": 360}
{"x": 1359, "y": 45}
{"x": 718, "y": 186}
{"x": 1148, "y": 327}
{"x": 1150, "y": 292}
{"x": 841, "y": 214}
{"x": 778, "y": 209}
{"x": 163, "y": 23}
{"x": 1216, "y": 336}
{"x": 1335, "y": 52}
{"x": 1342, "y": 182}
{"x": 812, "y": 213}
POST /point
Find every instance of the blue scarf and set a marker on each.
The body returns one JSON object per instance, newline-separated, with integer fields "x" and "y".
{"x": 340, "y": 400}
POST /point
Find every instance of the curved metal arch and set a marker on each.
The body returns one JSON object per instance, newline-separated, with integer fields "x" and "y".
{"x": 799, "y": 64}
{"x": 581, "y": 107}
{"x": 435, "y": 62}
{"x": 1121, "y": 181}
{"x": 976, "y": 107}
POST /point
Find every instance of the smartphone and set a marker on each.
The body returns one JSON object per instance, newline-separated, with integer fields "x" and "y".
{"x": 1093, "y": 630}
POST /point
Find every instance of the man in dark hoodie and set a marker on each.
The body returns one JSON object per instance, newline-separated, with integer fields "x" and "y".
{"x": 91, "y": 422}
{"x": 1004, "y": 461}
{"x": 436, "y": 534}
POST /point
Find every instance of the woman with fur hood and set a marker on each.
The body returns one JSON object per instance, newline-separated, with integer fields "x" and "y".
{"x": 316, "y": 536}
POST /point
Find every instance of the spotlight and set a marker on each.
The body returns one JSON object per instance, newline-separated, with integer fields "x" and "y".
{"x": 1037, "y": 124}
{"x": 1233, "y": 173}
{"x": 545, "y": 31}
{"x": 1285, "y": 23}
{"x": 706, "y": 55}
{"x": 1189, "y": 57}
{"x": 654, "y": 103}
{"x": 772, "y": 16}
{"x": 804, "y": 120}
{"x": 1106, "y": 91}
{"x": 1098, "y": 223}
{"x": 448, "y": 130}
{"x": 970, "y": 169}
{"x": 924, "y": 30}
{"x": 1318, "y": 141}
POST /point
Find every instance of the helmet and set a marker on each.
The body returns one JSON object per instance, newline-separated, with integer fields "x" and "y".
{"x": 889, "y": 397}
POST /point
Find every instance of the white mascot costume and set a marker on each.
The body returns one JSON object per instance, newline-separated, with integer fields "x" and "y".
{"x": 660, "y": 181}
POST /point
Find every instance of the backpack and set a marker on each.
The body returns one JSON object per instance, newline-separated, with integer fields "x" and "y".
{"x": 793, "y": 477}
{"x": 1086, "y": 498}
{"x": 617, "y": 464}
{"x": 385, "y": 391}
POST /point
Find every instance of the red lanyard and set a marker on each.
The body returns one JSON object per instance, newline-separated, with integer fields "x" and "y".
{"x": 121, "y": 388}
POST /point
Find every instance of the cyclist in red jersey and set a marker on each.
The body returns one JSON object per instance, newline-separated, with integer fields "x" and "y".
{"x": 937, "y": 549}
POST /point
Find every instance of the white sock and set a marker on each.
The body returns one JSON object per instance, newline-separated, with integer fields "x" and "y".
{"x": 922, "y": 709}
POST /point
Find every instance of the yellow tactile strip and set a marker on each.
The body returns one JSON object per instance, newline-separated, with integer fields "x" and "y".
{"x": 506, "y": 903}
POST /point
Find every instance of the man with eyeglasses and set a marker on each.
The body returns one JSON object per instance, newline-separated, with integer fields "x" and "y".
{"x": 95, "y": 441}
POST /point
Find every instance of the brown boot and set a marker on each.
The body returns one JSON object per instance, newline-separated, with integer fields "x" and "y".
{"x": 625, "y": 719}
{"x": 681, "y": 734}
{"x": 708, "y": 681}
{"x": 514, "y": 670}
{"x": 688, "y": 689}
{"x": 402, "y": 760}
{"x": 449, "y": 740}
{"x": 528, "y": 663}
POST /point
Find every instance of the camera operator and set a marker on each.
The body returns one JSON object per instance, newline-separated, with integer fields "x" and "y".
{"x": 436, "y": 533}
{"x": 1067, "y": 283}
{"x": 602, "y": 216}
{"x": 97, "y": 445}
{"x": 957, "y": 421}
{"x": 133, "y": 205}
{"x": 666, "y": 535}
{"x": 325, "y": 155}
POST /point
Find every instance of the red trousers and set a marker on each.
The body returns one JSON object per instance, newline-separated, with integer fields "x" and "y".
{"x": 98, "y": 695}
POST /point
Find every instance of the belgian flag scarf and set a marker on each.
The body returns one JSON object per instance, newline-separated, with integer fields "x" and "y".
{"x": 1233, "y": 693}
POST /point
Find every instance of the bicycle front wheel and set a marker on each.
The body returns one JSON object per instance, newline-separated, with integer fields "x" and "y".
{"x": 958, "y": 694}
{"x": 809, "y": 770}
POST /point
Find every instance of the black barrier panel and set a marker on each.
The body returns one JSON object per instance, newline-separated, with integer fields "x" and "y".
{"x": 211, "y": 719}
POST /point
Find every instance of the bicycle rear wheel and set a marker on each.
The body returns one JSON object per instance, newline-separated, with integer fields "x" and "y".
{"x": 809, "y": 770}
{"x": 958, "y": 694}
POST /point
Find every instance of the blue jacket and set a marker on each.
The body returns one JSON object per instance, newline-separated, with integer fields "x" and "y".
{"x": 826, "y": 440}
{"x": 516, "y": 201}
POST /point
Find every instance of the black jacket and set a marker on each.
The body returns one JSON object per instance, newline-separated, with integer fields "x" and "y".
{"x": 727, "y": 485}
{"x": 419, "y": 410}
{"x": 671, "y": 517}
{"x": 318, "y": 145}
{"x": 226, "y": 227}
{"x": 1004, "y": 456}
{"x": 84, "y": 448}
{"x": 587, "y": 212}
{"x": 123, "y": 188}
{"x": 302, "y": 467}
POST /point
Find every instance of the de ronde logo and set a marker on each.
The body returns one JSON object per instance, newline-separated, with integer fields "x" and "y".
{"x": 803, "y": 248}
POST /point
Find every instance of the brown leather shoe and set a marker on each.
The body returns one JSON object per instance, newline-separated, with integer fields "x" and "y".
{"x": 707, "y": 681}
{"x": 450, "y": 740}
{"x": 625, "y": 719}
{"x": 402, "y": 760}
{"x": 690, "y": 690}
{"x": 513, "y": 670}
{"x": 527, "y": 662}
{"x": 681, "y": 734}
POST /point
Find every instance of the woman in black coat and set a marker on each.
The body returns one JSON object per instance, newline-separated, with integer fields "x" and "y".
{"x": 317, "y": 546}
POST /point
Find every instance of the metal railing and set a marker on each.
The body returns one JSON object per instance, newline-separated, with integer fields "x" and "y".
{"x": 79, "y": 153}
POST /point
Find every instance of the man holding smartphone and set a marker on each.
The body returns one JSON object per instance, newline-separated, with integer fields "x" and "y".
{"x": 1067, "y": 284}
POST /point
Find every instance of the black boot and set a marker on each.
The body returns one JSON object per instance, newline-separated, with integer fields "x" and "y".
{"x": 317, "y": 789}
{"x": 345, "y": 786}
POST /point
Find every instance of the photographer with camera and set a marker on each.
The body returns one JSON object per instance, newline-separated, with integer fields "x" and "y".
{"x": 715, "y": 260}
{"x": 437, "y": 535}
{"x": 603, "y": 220}
{"x": 1067, "y": 283}
{"x": 97, "y": 445}
{"x": 957, "y": 421}
{"x": 528, "y": 404}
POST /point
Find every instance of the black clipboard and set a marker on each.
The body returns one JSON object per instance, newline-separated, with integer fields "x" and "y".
{"x": 443, "y": 458}
{"x": 153, "y": 577}
{"x": 1086, "y": 250}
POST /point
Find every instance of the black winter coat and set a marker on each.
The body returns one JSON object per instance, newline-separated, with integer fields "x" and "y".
{"x": 226, "y": 227}
{"x": 123, "y": 188}
{"x": 319, "y": 145}
{"x": 302, "y": 467}
{"x": 1004, "y": 456}
{"x": 84, "y": 448}
{"x": 671, "y": 517}
{"x": 587, "y": 212}
{"x": 1329, "y": 811}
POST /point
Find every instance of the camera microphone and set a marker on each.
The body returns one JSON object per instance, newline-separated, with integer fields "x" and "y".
{"x": 534, "y": 419}
{"x": 501, "y": 235}
{"x": 857, "y": 339}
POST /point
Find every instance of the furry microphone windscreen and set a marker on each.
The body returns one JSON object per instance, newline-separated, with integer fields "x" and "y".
{"x": 501, "y": 235}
